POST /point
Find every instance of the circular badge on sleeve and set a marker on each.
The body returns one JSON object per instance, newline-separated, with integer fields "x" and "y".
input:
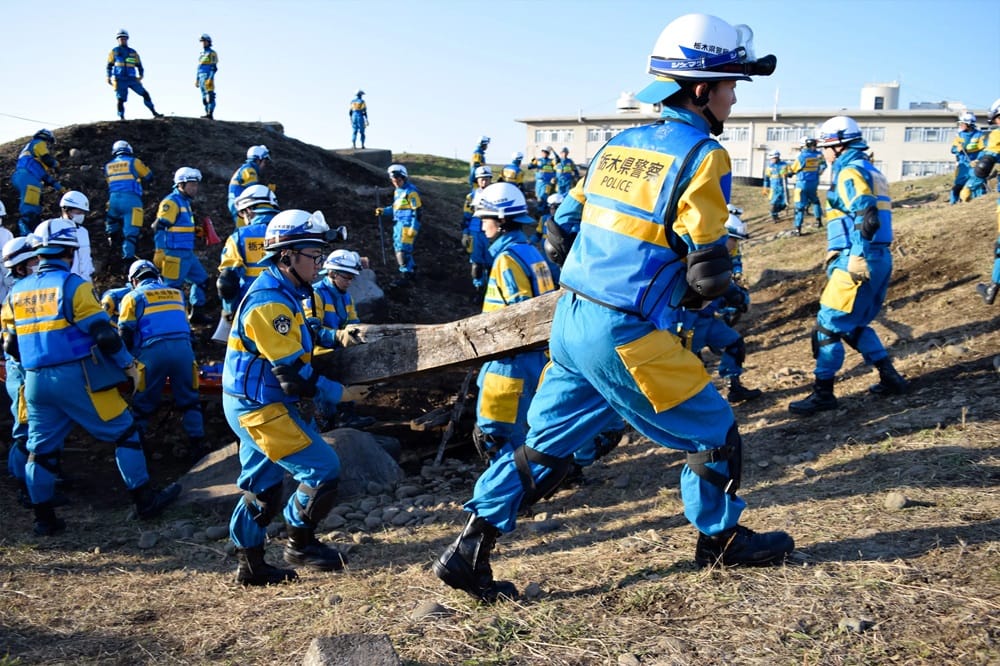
{"x": 282, "y": 324}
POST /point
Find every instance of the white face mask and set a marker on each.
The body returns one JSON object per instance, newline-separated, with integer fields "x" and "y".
{"x": 77, "y": 218}
{"x": 32, "y": 269}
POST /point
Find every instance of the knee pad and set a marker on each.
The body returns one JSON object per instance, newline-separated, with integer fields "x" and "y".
{"x": 264, "y": 506}
{"x": 731, "y": 453}
{"x": 534, "y": 491}
{"x": 996, "y": 249}
{"x": 817, "y": 344}
{"x": 738, "y": 350}
{"x": 320, "y": 502}
{"x": 853, "y": 337}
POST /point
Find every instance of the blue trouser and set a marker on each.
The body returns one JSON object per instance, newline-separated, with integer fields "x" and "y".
{"x": 564, "y": 185}
{"x": 29, "y": 207}
{"x": 778, "y": 200}
{"x": 506, "y": 388}
{"x": 543, "y": 188}
{"x": 836, "y": 325}
{"x": 357, "y": 127}
{"x": 715, "y": 334}
{"x": 17, "y": 457}
{"x": 480, "y": 253}
{"x": 313, "y": 465}
{"x": 58, "y": 400}
{"x": 587, "y": 385}
{"x": 173, "y": 359}
{"x": 188, "y": 271}
{"x": 404, "y": 235}
{"x": 587, "y": 454}
{"x": 962, "y": 172}
{"x": 804, "y": 196}
{"x": 123, "y": 85}
{"x": 996, "y": 261}
{"x": 206, "y": 83}
{"x": 124, "y": 220}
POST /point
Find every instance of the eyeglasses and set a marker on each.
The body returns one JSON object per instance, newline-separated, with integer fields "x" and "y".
{"x": 317, "y": 259}
{"x": 344, "y": 276}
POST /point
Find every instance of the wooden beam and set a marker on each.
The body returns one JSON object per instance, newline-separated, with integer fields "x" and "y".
{"x": 393, "y": 351}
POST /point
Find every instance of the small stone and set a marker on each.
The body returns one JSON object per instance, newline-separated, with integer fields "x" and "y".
{"x": 533, "y": 591}
{"x": 895, "y": 501}
{"x": 628, "y": 659}
{"x": 97, "y": 550}
{"x": 374, "y": 488}
{"x": 855, "y": 625}
{"x": 148, "y": 539}
{"x": 545, "y": 526}
{"x": 216, "y": 532}
{"x": 74, "y": 153}
{"x": 407, "y": 491}
{"x": 429, "y": 610}
{"x": 621, "y": 482}
{"x": 334, "y": 521}
{"x": 763, "y": 464}
{"x": 334, "y": 600}
{"x": 956, "y": 351}
{"x": 809, "y": 472}
{"x": 373, "y": 522}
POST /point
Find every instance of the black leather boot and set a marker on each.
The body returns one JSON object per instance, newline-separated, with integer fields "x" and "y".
{"x": 304, "y": 549}
{"x": 890, "y": 382}
{"x": 740, "y": 393}
{"x": 465, "y": 564}
{"x": 820, "y": 400}
{"x": 149, "y": 503}
{"x": 46, "y": 523}
{"x": 988, "y": 292}
{"x": 253, "y": 569}
{"x": 741, "y": 546}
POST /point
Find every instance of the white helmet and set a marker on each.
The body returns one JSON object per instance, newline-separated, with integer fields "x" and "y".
{"x": 17, "y": 251}
{"x": 700, "y": 47}
{"x": 483, "y": 172}
{"x": 187, "y": 175}
{"x": 734, "y": 210}
{"x": 258, "y": 153}
{"x": 838, "y": 131}
{"x": 122, "y": 33}
{"x": 397, "y": 170}
{"x": 55, "y": 235}
{"x": 256, "y": 195}
{"x": 142, "y": 267}
{"x": 504, "y": 201}
{"x": 736, "y": 227}
{"x": 3, "y": 210}
{"x": 774, "y": 155}
{"x": 484, "y": 139}
{"x": 555, "y": 199}
{"x": 74, "y": 199}
{"x": 121, "y": 148}
{"x": 293, "y": 228}
{"x": 343, "y": 261}
{"x": 517, "y": 156}
{"x": 994, "y": 110}
{"x": 967, "y": 118}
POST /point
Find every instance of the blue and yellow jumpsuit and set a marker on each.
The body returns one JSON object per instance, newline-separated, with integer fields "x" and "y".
{"x": 248, "y": 174}
{"x": 545, "y": 176}
{"x": 269, "y": 337}
{"x": 513, "y": 174}
{"x": 567, "y": 173}
{"x": 476, "y": 243}
{"x": 54, "y": 314}
{"x": 35, "y": 166}
{"x": 125, "y": 68}
{"x": 614, "y": 352}
{"x": 174, "y": 255}
{"x": 111, "y": 301}
{"x": 477, "y": 160}
{"x": 507, "y": 385}
{"x": 966, "y": 148}
{"x": 993, "y": 149}
{"x": 244, "y": 254}
{"x": 358, "y": 113}
{"x": 208, "y": 65}
{"x": 153, "y": 324}
{"x": 807, "y": 168}
{"x": 406, "y": 214}
{"x": 125, "y": 175}
{"x": 775, "y": 176}
{"x": 333, "y": 308}
{"x": 858, "y": 270}
{"x": 17, "y": 456}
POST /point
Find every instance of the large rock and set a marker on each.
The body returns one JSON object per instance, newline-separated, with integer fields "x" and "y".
{"x": 211, "y": 483}
{"x": 369, "y": 299}
{"x": 351, "y": 650}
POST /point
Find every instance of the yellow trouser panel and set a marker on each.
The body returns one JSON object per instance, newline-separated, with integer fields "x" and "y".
{"x": 409, "y": 234}
{"x": 840, "y": 291}
{"x": 109, "y": 403}
{"x": 274, "y": 431}
{"x": 32, "y": 195}
{"x": 136, "y": 219}
{"x": 665, "y": 372}
{"x": 499, "y": 397}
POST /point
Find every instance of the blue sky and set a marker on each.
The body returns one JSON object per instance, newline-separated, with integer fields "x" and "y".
{"x": 440, "y": 73}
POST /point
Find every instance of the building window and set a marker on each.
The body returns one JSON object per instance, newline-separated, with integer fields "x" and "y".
{"x": 741, "y": 167}
{"x": 597, "y": 134}
{"x": 736, "y": 134}
{"x": 785, "y": 134}
{"x": 929, "y": 134}
{"x": 873, "y": 134}
{"x": 539, "y": 136}
{"x": 879, "y": 103}
{"x": 567, "y": 136}
{"x": 927, "y": 168}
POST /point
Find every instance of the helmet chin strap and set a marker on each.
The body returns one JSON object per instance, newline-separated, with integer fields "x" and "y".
{"x": 701, "y": 101}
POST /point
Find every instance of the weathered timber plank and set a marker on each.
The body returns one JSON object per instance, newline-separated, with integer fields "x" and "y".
{"x": 399, "y": 350}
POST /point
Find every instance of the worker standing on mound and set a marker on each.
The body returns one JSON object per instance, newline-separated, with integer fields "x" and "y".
{"x": 208, "y": 65}
{"x": 125, "y": 73}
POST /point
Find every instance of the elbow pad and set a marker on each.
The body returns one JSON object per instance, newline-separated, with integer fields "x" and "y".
{"x": 983, "y": 167}
{"x": 106, "y": 338}
{"x": 11, "y": 348}
{"x": 228, "y": 284}
{"x": 292, "y": 383}
{"x": 557, "y": 243}
{"x": 870, "y": 225}
{"x": 710, "y": 271}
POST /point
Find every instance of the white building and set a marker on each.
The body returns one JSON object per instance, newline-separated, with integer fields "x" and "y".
{"x": 906, "y": 143}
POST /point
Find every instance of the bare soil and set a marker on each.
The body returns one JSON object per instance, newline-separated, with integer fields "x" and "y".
{"x": 614, "y": 581}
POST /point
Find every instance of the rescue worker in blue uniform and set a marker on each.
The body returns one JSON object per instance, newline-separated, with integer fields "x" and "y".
{"x": 536, "y": 231}
{"x": 125, "y": 73}
{"x": 19, "y": 261}
{"x": 175, "y": 232}
{"x": 73, "y": 361}
{"x": 518, "y": 272}
{"x": 267, "y": 381}
{"x": 208, "y": 65}
{"x": 652, "y": 240}
{"x": 407, "y": 212}
{"x": 775, "y": 183}
{"x": 478, "y": 158}
{"x": 330, "y": 309}
{"x": 567, "y": 173}
{"x": 807, "y": 168}
{"x": 858, "y": 267}
{"x": 243, "y": 255}
{"x": 983, "y": 170}
{"x": 111, "y": 301}
{"x": 36, "y": 167}
{"x": 249, "y": 173}
{"x": 969, "y": 141}
{"x": 125, "y": 174}
{"x": 153, "y": 324}
{"x": 513, "y": 173}
{"x": 473, "y": 238}
{"x": 358, "y": 113}
{"x": 545, "y": 176}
